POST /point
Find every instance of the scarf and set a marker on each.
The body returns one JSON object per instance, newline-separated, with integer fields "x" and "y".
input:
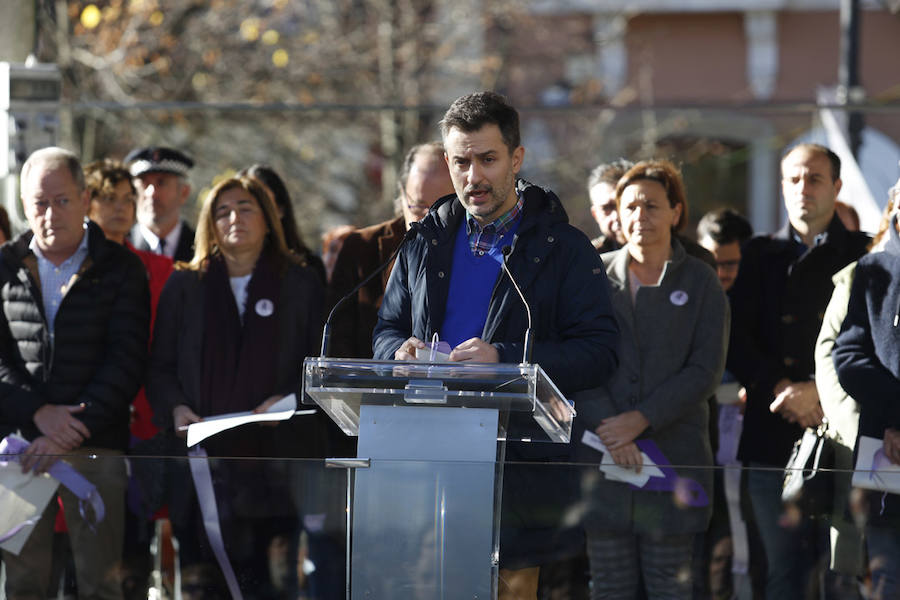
{"x": 239, "y": 359}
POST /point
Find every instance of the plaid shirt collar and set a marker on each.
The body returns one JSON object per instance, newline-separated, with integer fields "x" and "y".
{"x": 485, "y": 239}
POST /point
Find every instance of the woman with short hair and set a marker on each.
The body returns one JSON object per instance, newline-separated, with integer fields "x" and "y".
{"x": 673, "y": 319}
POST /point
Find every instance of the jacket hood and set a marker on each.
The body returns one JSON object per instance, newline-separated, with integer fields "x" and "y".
{"x": 541, "y": 205}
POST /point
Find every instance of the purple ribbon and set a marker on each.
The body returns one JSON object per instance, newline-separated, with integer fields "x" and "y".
{"x": 687, "y": 491}
{"x": 86, "y": 492}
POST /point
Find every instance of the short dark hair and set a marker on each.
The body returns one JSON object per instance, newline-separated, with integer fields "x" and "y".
{"x": 435, "y": 148}
{"x": 664, "y": 173}
{"x": 473, "y": 111}
{"x": 609, "y": 173}
{"x": 724, "y": 226}
{"x": 833, "y": 158}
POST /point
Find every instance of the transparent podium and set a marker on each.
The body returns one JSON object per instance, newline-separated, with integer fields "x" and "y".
{"x": 426, "y": 503}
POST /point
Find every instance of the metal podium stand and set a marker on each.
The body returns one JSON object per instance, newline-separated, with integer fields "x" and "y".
{"x": 425, "y": 513}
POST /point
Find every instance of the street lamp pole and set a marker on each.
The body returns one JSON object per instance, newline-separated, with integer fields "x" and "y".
{"x": 849, "y": 89}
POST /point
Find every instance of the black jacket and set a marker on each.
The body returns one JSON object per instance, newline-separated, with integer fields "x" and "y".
{"x": 176, "y": 359}
{"x": 100, "y": 347}
{"x": 560, "y": 274}
{"x": 576, "y": 340}
{"x": 867, "y": 352}
{"x": 778, "y": 302}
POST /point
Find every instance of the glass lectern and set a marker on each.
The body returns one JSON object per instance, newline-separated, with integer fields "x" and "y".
{"x": 425, "y": 512}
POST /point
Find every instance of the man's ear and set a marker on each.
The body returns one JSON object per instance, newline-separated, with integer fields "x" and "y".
{"x": 185, "y": 192}
{"x": 518, "y": 156}
{"x": 86, "y": 201}
{"x": 837, "y": 187}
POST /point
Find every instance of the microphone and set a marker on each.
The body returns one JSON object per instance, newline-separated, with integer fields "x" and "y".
{"x": 529, "y": 332}
{"x": 412, "y": 232}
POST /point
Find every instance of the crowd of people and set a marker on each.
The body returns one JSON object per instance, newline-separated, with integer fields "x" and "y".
{"x": 121, "y": 325}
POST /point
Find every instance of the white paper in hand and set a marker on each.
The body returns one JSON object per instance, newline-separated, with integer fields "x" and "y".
{"x": 614, "y": 472}
{"x": 23, "y": 496}
{"x": 873, "y": 469}
{"x": 209, "y": 426}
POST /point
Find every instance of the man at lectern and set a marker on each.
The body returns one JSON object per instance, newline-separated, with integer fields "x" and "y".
{"x": 449, "y": 281}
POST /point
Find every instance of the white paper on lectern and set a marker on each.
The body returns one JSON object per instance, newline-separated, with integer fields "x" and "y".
{"x": 209, "y": 426}
{"x": 873, "y": 470}
{"x": 23, "y": 496}
{"x": 613, "y": 471}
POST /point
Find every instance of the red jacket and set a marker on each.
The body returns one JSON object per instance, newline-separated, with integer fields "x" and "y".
{"x": 158, "y": 267}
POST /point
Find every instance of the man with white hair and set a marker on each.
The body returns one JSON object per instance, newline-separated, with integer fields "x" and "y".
{"x": 74, "y": 322}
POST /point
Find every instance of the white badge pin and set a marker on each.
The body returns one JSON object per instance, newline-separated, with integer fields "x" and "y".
{"x": 678, "y": 297}
{"x": 264, "y": 307}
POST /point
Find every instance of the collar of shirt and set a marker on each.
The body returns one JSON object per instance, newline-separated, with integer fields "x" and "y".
{"x": 484, "y": 239}
{"x": 817, "y": 241}
{"x": 171, "y": 239}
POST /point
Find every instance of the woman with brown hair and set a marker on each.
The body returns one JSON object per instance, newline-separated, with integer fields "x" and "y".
{"x": 233, "y": 328}
{"x": 673, "y": 321}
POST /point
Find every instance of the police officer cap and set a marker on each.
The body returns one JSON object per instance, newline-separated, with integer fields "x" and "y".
{"x": 157, "y": 160}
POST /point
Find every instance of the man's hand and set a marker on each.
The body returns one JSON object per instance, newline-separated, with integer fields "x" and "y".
{"x": 407, "y": 350}
{"x": 619, "y": 431}
{"x": 57, "y": 423}
{"x": 184, "y": 416}
{"x": 892, "y": 445}
{"x": 628, "y": 455}
{"x": 475, "y": 350}
{"x": 798, "y": 402}
{"x": 41, "y": 455}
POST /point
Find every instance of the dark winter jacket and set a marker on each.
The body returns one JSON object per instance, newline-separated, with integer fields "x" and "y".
{"x": 867, "y": 351}
{"x": 176, "y": 358}
{"x": 778, "y": 303}
{"x": 575, "y": 333}
{"x": 560, "y": 274}
{"x": 100, "y": 349}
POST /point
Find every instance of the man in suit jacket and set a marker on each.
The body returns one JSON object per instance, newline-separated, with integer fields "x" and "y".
{"x": 423, "y": 179}
{"x": 160, "y": 176}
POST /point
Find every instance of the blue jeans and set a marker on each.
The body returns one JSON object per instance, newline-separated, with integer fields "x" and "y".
{"x": 791, "y": 548}
{"x": 884, "y": 560}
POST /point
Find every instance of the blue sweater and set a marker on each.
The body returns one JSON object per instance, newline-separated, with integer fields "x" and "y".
{"x": 472, "y": 281}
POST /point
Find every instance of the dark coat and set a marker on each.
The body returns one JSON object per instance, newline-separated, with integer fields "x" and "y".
{"x": 575, "y": 333}
{"x": 867, "y": 351}
{"x": 184, "y": 251}
{"x": 778, "y": 303}
{"x": 100, "y": 348}
{"x": 560, "y": 274}
{"x": 175, "y": 375}
{"x": 671, "y": 359}
{"x": 362, "y": 253}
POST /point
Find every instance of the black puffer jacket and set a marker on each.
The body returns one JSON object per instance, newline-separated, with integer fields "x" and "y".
{"x": 100, "y": 348}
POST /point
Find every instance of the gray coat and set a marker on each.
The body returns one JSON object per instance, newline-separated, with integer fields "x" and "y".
{"x": 671, "y": 358}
